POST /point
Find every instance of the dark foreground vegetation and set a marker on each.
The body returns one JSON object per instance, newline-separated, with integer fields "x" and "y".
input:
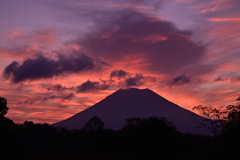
{"x": 139, "y": 139}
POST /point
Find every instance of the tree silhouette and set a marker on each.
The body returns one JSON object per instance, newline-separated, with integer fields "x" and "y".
{"x": 233, "y": 118}
{"x": 94, "y": 124}
{"x": 3, "y": 106}
{"x": 147, "y": 137}
{"x": 234, "y": 112}
{"x": 220, "y": 119}
{"x": 214, "y": 118}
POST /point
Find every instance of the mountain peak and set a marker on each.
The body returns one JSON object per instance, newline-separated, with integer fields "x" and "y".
{"x": 134, "y": 102}
{"x": 132, "y": 90}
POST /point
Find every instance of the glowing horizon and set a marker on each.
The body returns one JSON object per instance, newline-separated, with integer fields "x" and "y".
{"x": 61, "y": 57}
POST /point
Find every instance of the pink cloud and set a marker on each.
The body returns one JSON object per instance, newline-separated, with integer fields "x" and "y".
{"x": 212, "y": 6}
{"x": 224, "y": 19}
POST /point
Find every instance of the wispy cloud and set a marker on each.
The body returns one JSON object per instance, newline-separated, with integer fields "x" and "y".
{"x": 212, "y": 6}
{"x": 224, "y": 19}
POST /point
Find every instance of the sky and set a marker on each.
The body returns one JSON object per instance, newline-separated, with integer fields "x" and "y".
{"x": 60, "y": 57}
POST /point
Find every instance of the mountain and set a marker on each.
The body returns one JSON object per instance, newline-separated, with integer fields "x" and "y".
{"x": 132, "y": 102}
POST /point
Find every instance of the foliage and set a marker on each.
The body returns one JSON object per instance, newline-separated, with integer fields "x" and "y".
{"x": 220, "y": 120}
{"x": 232, "y": 127}
{"x": 214, "y": 118}
{"x": 94, "y": 124}
{"x": 3, "y": 106}
{"x": 150, "y": 136}
{"x": 234, "y": 112}
{"x": 140, "y": 138}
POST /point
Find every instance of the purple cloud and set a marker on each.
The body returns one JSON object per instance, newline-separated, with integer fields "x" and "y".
{"x": 118, "y": 73}
{"x": 43, "y": 67}
{"x": 138, "y": 80}
{"x": 131, "y": 33}
{"x": 181, "y": 80}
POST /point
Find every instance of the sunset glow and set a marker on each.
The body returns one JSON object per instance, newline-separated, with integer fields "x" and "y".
{"x": 60, "y": 57}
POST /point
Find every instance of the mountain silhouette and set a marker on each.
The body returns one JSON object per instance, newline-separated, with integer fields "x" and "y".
{"x": 133, "y": 102}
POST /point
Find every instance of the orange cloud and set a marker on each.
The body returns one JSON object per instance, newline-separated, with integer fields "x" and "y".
{"x": 224, "y": 19}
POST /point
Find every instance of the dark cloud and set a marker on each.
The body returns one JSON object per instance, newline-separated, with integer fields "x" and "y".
{"x": 63, "y": 97}
{"x": 129, "y": 33}
{"x": 26, "y": 102}
{"x": 88, "y": 86}
{"x": 118, "y": 74}
{"x": 43, "y": 67}
{"x": 106, "y": 84}
{"x": 49, "y": 97}
{"x": 58, "y": 87}
{"x": 181, "y": 80}
{"x": 235, "y": 78}
{"x": 219, "y": 79}
{"x": 128, "y": 80}
{"x": 138, "y": 80}
{"x": 69, "y": 96}
{"x": 232, "y": 78}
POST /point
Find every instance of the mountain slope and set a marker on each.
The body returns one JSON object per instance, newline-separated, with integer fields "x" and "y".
{"x": 132, "y": 102}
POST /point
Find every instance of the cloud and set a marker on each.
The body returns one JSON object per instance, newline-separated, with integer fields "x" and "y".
{"x": 118, "y": 73}
{"x": 43, "y": 67}
{"x": 138, "y": 80}
{"x": 181, "y": 80}
{"x": 87, "y": 86}
{"x": 18, "y": 42}
{"x": 43, "y": 37}
{"x": 58, "y": 87}
{"x": 91, "y": 86}
{"x": 115, "y": 5}
{"x": 49, "y": 97}
{"x": 69, "y": 96}
{"x": 122, "y": 4}
{"x": 124, "y": 79}
{"x": 232, "y": 79}
{"x": 63, "y": 97}
{"x": 26, "y": 102}
{"x": 235, "y": 78}
{"x": 126, "y": 34}
{"x": 129, "y": 80}
{"x": 224, "y": 19}
{"x": 219, "y": 79}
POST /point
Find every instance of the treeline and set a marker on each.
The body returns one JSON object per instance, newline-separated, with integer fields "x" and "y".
{"x": 139, "y": 139}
